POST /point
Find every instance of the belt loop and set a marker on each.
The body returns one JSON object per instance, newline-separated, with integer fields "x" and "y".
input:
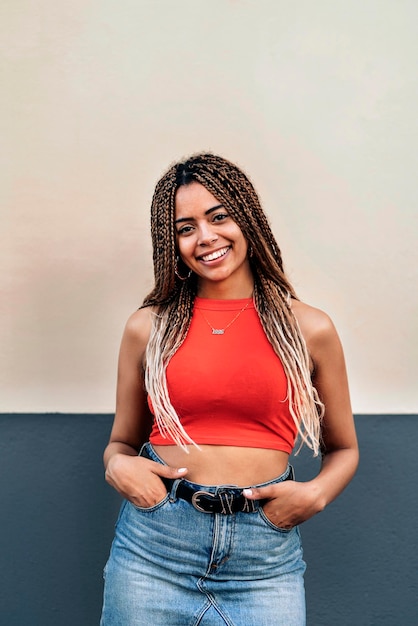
{"x": 173, "y": 490}
{"x": 143, "y": 450}
{"x": 251, "y": 506}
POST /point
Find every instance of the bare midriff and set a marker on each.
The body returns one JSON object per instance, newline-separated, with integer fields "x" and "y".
{"x": 226, "y": 465}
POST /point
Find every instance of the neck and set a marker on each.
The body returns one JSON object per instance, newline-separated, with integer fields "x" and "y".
{"x": 223, "y": 292}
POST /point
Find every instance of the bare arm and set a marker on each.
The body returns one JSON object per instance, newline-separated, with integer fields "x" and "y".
{"x": 340, "y": 449}
{"x": 292, "y": 502}
{"x": 136, "y": 478}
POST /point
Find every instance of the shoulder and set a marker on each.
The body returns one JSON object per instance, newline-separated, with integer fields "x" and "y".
{"x": 316, "y": 326}
{"x": 138, "y": 326}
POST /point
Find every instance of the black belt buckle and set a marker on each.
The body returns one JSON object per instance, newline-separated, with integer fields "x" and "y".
{"x": 225, "y": 502}
{"x": 205, "y": 502}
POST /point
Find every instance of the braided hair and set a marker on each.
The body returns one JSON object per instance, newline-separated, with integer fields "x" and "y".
{"x": 172, "y": 299}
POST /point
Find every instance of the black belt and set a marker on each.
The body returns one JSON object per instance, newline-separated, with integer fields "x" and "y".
{"x": 227, "y": 500}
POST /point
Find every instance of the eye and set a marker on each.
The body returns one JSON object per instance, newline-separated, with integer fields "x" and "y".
{"x": 185, "y": 230}
{"x": 220, "y": 217}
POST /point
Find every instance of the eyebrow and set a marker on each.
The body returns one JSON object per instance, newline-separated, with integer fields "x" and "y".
{"x": 190, "y": 219}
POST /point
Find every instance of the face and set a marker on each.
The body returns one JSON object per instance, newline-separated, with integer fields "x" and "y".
{"x": 210, "y": 243}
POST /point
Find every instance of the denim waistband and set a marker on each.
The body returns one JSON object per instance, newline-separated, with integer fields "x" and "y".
{"x": 225, "y": 499}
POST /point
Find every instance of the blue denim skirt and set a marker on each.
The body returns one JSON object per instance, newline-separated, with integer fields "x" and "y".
{"x": 173, "y": 565}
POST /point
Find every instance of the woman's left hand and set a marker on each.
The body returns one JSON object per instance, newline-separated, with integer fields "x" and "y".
{"x": 289, "y": 503}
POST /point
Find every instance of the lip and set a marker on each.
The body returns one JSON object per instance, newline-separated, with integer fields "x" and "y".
{"x": 219, "y": 255}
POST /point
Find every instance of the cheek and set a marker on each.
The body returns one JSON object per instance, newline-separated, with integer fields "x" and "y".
{"x": 185, "y": 246}
{"x": 242, "y": 242}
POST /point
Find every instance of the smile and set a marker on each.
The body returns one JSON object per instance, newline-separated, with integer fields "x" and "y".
{"x": 215, "y": 255}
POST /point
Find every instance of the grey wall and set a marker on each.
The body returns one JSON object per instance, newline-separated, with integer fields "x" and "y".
{"x": 57, "y": 517}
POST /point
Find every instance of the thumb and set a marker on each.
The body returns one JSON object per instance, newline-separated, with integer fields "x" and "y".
{"x": 259, "y": 493}
{"x": 170, "y": 472}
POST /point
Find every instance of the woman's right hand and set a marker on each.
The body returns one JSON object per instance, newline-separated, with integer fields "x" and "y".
{"x": 138, "y": 479}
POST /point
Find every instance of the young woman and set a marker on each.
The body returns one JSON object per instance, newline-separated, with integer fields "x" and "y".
{"x": 221, "y": 370}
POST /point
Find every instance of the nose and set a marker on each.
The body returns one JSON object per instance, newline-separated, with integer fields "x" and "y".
{"x": 207, "y": 235}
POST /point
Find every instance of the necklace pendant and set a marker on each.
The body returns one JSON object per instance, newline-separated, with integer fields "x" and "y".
{"x": 218, "y": 331}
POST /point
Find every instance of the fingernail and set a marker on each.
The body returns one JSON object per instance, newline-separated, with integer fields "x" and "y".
{"x": 182, "y": 469}
{"x": 247, "y": 492}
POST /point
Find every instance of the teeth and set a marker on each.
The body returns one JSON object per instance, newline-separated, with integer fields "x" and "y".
{"x": 215, "y": 255}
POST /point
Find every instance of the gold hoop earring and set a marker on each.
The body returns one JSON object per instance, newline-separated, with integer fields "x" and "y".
{"x": 177, "y": 273}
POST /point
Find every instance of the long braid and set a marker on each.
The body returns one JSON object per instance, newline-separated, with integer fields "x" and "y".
{"x": 168, "y": 332}
{"x": 282, "y": 330}
{"x": 163, "y": 239}
{"x": 172, "y": 300}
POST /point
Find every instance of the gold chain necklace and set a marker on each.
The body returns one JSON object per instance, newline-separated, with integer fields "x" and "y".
{"x": 221, "y": 331}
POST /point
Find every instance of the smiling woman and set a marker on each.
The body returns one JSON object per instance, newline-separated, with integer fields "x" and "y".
{"x": 220, "y": 371}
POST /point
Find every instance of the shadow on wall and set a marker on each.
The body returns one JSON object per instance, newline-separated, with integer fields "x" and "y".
{"x": 57, "y": 518}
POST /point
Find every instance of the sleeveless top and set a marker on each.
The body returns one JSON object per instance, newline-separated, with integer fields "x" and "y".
{"x": 229, "y": 389}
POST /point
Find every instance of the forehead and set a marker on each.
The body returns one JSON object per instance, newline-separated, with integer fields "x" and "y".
{"x": 193, "y": 198}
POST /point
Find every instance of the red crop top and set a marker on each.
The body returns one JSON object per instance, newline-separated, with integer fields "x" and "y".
{"x": 229, "y": 389}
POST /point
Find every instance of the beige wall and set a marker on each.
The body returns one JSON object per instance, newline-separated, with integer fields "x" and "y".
{"x": 317, "y": 101}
